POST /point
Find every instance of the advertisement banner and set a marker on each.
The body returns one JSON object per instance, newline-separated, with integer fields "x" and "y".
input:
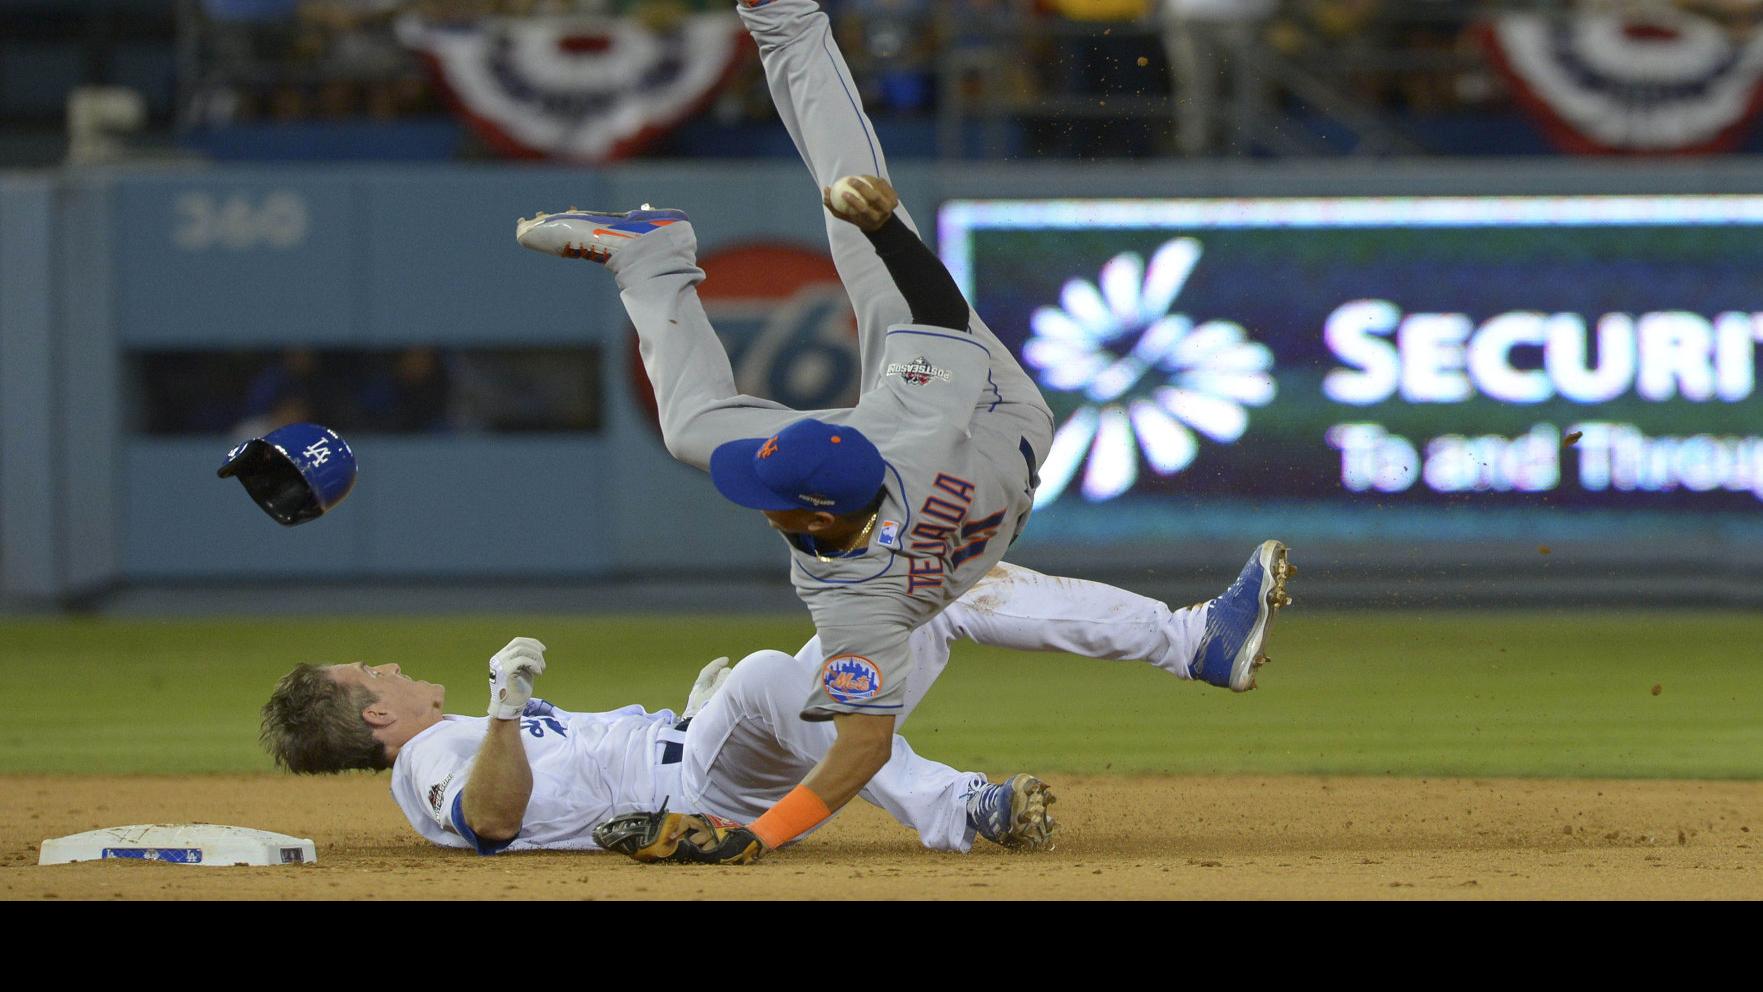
{"x": 1365, "y": 368}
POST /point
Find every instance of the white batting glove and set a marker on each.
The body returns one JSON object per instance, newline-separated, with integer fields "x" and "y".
{"x": 512, "y": 671}
{"x": 709, "y": 682}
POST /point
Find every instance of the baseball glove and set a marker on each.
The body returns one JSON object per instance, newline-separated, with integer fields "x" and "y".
{"x": 679, "y": 838}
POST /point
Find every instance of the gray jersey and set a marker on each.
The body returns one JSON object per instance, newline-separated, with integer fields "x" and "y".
{"x": 961, "y": 426}
{"x": 959, "y": 483}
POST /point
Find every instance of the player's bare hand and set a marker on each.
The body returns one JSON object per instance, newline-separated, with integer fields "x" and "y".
{"x": 692, "y": 830}
{"x": 866, "y": 201}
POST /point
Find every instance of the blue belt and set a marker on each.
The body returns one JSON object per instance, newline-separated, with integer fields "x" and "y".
{"x": 673, "y": 751}
{"x": 1034, "y": 481}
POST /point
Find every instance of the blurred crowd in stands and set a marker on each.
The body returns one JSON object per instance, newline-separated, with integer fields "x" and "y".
{"x": 413, "y": 390}
{"x": 328, "y": 59}
{"x": 1194, "y": 75}
{"x": 1067, "y": 46}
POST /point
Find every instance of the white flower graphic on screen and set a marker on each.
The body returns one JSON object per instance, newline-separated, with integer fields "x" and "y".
{"x": 1147, "y": 379}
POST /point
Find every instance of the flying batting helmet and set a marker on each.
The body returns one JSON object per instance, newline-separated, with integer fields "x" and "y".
{"x": 295, "y": 473}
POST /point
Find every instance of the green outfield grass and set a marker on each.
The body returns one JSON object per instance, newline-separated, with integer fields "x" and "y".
{"x": 1443, "y": 693}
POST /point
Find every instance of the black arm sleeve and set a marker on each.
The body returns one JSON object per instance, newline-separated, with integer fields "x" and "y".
{"x": 930, "y": 291}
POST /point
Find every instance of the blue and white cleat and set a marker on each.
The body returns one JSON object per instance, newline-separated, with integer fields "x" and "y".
{"x": 590, "y": 234}
{"x": 1014, "y": 813}
{"x": 1238, "y": 622}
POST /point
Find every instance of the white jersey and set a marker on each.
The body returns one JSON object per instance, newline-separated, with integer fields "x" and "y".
{"x": 587, "y": 768}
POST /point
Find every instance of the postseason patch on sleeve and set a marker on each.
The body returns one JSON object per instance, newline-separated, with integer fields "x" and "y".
{"x": 437, "y": 799}
{"x": 919, "y": 371}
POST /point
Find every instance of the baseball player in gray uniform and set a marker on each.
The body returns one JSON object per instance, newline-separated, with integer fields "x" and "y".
{"x": 893, "y": 508}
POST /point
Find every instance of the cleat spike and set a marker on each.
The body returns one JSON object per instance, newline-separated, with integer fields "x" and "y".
{"x": 1014, "y": 814}
{"x": 1238, "y": 622}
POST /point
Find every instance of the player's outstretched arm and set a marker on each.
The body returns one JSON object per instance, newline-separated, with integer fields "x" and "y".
{"x": 864, "y": 744}
{"x": 501, "y": 781}
{"x": 869, "y": 202}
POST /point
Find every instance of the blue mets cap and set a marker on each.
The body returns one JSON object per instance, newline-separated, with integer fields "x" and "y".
{"x": 809, "y": 465}
{"x": 295, "y": 473}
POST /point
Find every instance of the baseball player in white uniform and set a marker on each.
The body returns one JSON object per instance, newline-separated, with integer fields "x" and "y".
{"x": 532, "y": 776}
{"x": 896, "y": 507}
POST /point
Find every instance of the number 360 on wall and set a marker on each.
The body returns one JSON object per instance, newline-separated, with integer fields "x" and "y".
{"x": 239, "y": 221}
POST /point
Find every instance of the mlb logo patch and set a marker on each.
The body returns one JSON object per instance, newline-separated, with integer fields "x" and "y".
{"x": 889, "y": 534}
{"x": 851, "y": 678}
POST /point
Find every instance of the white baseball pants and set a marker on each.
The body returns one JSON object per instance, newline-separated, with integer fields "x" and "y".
{"x": 749, "y": 747}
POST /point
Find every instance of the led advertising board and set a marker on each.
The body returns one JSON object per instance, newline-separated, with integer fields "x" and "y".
{"x": 1383, "y": 368}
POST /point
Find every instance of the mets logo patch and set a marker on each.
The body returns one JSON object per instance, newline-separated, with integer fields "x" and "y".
{"x": 919, "y": 371}
{"x": 851, "y": 678}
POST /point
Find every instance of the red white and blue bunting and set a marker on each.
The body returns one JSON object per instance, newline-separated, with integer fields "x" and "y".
{"x": 589, "y": 90}
{"x": 1657, "y": 80}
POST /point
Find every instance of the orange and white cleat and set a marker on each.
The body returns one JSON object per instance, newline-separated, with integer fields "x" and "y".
{"x": 591, "y": 235}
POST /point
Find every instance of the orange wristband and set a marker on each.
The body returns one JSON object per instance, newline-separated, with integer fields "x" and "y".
{"x": 793, "y": 816}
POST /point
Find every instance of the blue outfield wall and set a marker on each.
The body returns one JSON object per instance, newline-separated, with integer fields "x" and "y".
{"x": 387, "y": 258}
{"x": 96, "y": 263}
{"x": 30, "y": 528}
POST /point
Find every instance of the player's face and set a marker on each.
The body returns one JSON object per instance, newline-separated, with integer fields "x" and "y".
{"x": 401, "y": 695}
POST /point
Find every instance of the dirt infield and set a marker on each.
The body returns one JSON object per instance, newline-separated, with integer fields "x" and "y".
{"x": 1140, "y": 838}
